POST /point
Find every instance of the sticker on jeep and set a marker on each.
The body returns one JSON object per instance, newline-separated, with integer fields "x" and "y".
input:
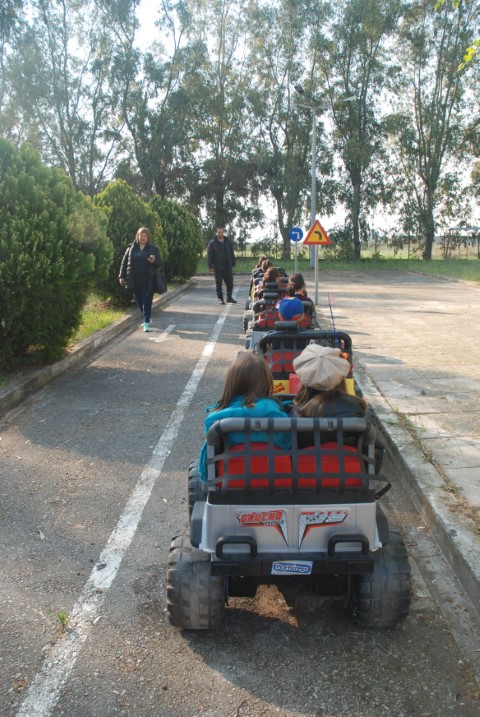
{"x": 309, "y": 519}
{"x": 292, "y": 567}
{"x": 265, "y": 519}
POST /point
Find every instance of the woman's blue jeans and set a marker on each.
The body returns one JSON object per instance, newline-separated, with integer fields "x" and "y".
{"x": 144, "y": 300}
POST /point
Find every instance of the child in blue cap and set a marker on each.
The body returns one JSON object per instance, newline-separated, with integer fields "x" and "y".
{"x": 290, "y": 309}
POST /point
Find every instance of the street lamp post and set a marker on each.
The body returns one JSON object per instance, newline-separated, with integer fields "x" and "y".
{"x": 313, "y": 199}
{"x": 313, "y": 196}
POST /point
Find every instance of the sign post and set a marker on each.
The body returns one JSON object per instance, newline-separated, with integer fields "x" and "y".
{"x": 295, "y": 234}
{"x": 316, "y": 236}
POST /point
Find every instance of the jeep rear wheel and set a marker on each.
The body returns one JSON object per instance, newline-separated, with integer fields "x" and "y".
{"x": 382, "y": 599}
{"x": 197, "y": 490}
{"x": 195, "y": 598}
{"x": 247, "y": 318}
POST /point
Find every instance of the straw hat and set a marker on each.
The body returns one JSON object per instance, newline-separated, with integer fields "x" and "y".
{"x": 321, "y": 367}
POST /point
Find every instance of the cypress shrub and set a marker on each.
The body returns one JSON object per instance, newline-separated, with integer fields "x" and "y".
{"x": 126, "y": 213}
{"x": 45, "y": 265}
{"x": 183, "y": 234}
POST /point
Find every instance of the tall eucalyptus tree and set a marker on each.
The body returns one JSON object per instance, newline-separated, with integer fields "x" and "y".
{"x": 427, "y": 129}
{"x": 11, "y": 20}
{"x": 186, "y": 109}
{"x": 281, "y": 56}
{"x": 353, "y": 71}
{"x": 222, "y": 122}
{"x": 158, "y": 104}
{"x": 62, "y": 79}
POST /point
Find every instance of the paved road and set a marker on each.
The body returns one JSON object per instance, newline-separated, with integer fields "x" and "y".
{"x": 93, "y": 487}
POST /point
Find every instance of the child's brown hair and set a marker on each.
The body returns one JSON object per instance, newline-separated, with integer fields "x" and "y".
{"x": 310, "y": 402}
{"x": 296, "y": 284}
{"x": 271, "y": 275}
{"x": 249, "y": 376}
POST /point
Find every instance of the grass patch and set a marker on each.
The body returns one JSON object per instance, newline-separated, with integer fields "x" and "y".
{"x": 96, "y": 314}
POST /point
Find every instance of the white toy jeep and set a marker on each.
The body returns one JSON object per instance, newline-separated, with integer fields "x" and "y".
{"x": 305, "y": 518}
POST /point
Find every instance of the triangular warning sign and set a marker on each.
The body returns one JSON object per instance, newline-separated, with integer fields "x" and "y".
{"x": 317, "y": 235}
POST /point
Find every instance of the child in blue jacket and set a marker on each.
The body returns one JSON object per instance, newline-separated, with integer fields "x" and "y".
{"x": 247, "y": 393}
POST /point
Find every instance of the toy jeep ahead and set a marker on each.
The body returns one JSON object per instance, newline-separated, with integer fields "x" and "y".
{"x": 304, "y": 519}
{"x": 286, "y": 341}
{"x": 264, "y": 316}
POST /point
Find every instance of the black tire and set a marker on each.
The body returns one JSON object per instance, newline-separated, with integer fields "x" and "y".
{"x": 382, "y": 599}
{"x": 193, "y": 470}
{"x": 197, "y": 490}
{"x": 195, "y": 598}
{"x": 247, "y": 318}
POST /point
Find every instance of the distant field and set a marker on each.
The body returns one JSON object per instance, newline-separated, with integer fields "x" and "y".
{"x": 467, "y": 269}
{"x": 444, "y": 247}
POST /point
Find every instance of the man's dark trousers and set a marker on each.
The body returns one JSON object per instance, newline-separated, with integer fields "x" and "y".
{"x": 224, "y": 275}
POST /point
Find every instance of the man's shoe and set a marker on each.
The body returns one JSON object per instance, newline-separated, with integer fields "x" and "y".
{"x": 221, "y": 301}
{"x": 231, "y": 301}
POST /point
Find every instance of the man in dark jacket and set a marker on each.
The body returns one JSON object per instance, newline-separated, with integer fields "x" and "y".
{"x": 221, "y": 260}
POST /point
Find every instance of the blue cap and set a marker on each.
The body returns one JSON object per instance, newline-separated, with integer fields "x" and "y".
{"x": 290, "y": 307}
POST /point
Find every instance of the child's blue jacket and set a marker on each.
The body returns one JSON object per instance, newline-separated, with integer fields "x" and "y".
{"x": 263, "y": 408}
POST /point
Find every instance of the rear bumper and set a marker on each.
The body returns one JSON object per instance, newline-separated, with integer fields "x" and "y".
{"x": 261, "y": 566}
{"x": 358, "y": 561}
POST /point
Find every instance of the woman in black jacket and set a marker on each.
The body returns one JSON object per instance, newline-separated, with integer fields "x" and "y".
{"x": 137, "y": 272}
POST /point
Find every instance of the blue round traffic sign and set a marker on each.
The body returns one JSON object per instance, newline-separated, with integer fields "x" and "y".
{"x": 295, "y": 234}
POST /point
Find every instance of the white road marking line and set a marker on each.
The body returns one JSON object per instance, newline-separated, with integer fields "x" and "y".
{"x": 163, "y": 336}
{"x": 45, "y": 689}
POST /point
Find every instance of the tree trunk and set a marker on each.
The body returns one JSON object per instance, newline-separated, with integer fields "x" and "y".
{"x": 429, "y": 228}
{"x": 281, "y": 226}
{"x": 286, "y": 247}
{"x": 219, "y": 207}
{"x": 356, "y": 184}
{"x": 160, "y": 182}
{"x": 278, "y": 195}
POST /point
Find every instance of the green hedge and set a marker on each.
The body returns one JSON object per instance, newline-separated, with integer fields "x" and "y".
{"x": 183, "y": 234}
{"x": 52, "y": 243}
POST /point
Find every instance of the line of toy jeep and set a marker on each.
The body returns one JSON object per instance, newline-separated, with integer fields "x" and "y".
{"x": 289, "y": 331}
{"x": 282, "y": 331}
{"x": 368, "y": 567}
{"x": 284, "y": 343}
